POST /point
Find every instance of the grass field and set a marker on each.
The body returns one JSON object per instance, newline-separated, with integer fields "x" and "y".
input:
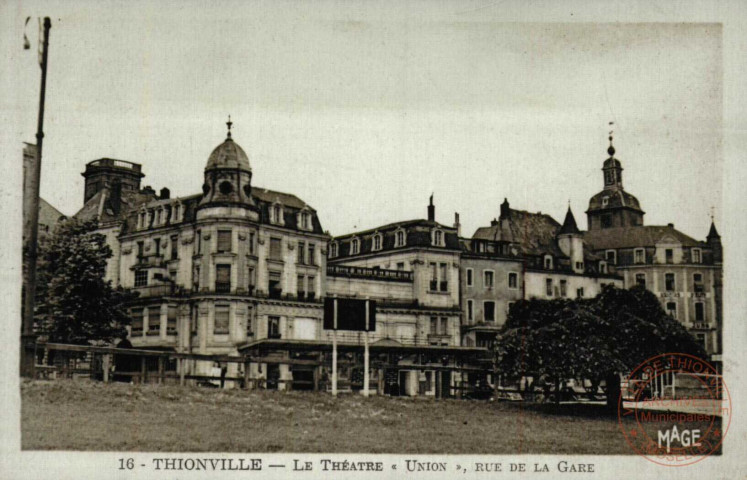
{"x": 86, "y": 415}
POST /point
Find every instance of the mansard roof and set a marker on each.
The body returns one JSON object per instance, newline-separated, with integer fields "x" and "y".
{"x": 636, "y": 236}
{"x": 616, "y": 198}
{"x": 418, "y": 234}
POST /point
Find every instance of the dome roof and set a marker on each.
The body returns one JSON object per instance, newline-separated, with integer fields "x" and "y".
{"x": 616, "y": 198}
{"x": 228, "y": 155}
{"x": 612, "y": 162}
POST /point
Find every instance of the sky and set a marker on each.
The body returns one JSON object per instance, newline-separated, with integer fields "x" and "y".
{"x": 364, "y": 111}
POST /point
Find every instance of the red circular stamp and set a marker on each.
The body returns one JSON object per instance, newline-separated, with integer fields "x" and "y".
{"x": 674, "y": 409}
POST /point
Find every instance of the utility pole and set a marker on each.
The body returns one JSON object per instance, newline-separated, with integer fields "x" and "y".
{"x": 31, "y": 226}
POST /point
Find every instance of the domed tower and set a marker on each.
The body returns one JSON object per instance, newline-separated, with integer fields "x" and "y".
{"x": 228, "y": 178}
{"x": 613, "y": 206}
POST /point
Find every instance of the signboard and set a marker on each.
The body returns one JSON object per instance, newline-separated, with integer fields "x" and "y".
{"x": 351, "y": 314}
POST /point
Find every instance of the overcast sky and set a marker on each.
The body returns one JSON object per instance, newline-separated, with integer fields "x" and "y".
{"x": 363, "y": 111}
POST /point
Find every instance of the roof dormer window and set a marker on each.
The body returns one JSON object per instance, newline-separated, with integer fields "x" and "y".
{"x": 438, "y": 238}
{"x": 605, "y": 201}
{"x": 399, "y": 238}
{"x": 355, "y": 246}
{"x": 304, "y": 219}
{"x": 548, "y": 262}
{"x": 377, "y": 241}
{"x": 276, "y": 214}
{"x": 333, "y": 250}
{"x": 142, "y": 220}
{"x": 176, "y": 212}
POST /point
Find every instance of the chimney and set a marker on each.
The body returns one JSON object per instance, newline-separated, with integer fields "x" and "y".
{"x": 431, "y": 210}
{"x": 457, "y": 225}
{"x": 670, "y": 225}
{"x": 505, "y": 210}
{"x": 165, "y": 193}
{"x": 148, "y": 189}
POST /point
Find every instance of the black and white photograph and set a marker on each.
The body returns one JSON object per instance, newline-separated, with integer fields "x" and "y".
{"x": 411, "y": 239}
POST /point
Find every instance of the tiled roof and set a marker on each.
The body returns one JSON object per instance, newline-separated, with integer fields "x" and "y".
{"x": 418, "y": 234}
{"x": 534, "y": 233}
{"x": 639, "y": 236}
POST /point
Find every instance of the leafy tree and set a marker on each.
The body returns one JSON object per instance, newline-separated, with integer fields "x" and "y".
{"x": 595, "y": 339}
{"x": 74, "y": 303}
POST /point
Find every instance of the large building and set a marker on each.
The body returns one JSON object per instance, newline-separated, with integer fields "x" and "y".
{"x": 221, "y": 272}
{"x": 684, "y": 273}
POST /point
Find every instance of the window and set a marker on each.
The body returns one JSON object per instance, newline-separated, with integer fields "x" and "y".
{"x": 672, "y": 309}
{"x": 140, "y": 250}
{"x": 669, "y": 255}
{"x": 154, "y": 320}
{"x": 609, "y": 177}
{"x": 605, "y": 201}
{"x": 220, "y": 327}
{"x": 444, "y": 284}
{"x": 702, "y": 339}
{"x": 563, "y": 288}
{"x": 444, "y": 326}
{"x": 276, "y": 249}
{"x": 602, "y": 267}
{"x": 273, "y": 285}
{"x": 333, "y": 250}
{"x": 276, "y": 214}
{"x": 223, "y": 278}
{"x": 311, "y": 260}
{"x": 640, "y": 279}
{"x": 698, "y": 283}
{"x": 434, "y": 277}
{"x": 224, "y": 241}
{"x": 470, "y": 280}
{"x": 580, "y": 292}
{"x": 354, "y": 246}
{"x": 141, "y": 278}
{"x": 157, "y": 246}
{"x": 699, "y": 312}
{"x": 137, "y": 321}
{"x": 249, "y": 328}
{"x": 176, "y": 213}
{"x": 250, "y": 279}
{"x": 434, "y": 326}
{"x": 548, "y": 262}
{"x": 579, "y": 265}
{"x": 611, "y": 257}
{"x": 438, "y": 238}
{"x": 251, "y": 243}
{"x": 513, "y": 280}
{"x": 669, "y": 282}
{"x": 377, "y": 242}
{"x": 697, "y": 257}
{"x": 470, "y": 310}
{"x": 489, "y": 311}
{"x": 300, "y": 290}
{"x": 606, "y": 221}
{"x": 171, "y": 320}
{"x": 273, "y": 327}
{"x": 399, "y": 238}
{"x": 310, "y": 288}
{"x": 548, "y": 287}
{"x": 488, "y": 278}
{"x": 174, "y": 247}
{"x": 301, "y": 253}
{"x": 305, "y": 221}
{"x": 400, "y": 266}
{"x": 640, "y": 255}
{"x": 198, "y": 242}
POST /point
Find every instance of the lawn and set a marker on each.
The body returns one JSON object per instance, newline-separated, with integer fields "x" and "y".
{"x": 86, "y": 415}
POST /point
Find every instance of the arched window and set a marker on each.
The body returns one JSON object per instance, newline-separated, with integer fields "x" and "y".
{"x": 438, "y": 238}
{"x": 354, "y": 246}
{"x": 333, "y": 250}
{"x": 377, "y": 241}
{"x": 399, "y": 238}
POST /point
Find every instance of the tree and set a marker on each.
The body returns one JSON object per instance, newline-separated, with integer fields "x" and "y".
{"x": 595, "y": 339}
{"x": 75, "y": 303}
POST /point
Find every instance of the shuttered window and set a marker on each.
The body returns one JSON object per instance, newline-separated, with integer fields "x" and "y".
{"x": 224, "y": 240}
{"x": 276, "y": 252}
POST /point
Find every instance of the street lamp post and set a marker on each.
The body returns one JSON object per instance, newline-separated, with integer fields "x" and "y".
{"x": 31, "y": 226}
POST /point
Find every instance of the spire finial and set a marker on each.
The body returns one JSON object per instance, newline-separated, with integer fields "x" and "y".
{"x": 611, "y": 150}
{"x": 229, "y": 123}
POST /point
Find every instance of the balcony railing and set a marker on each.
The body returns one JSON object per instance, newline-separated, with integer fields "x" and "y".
{"x": 150, "y": 261}
{"x": 155, "y": 290}
{"x": 369, "y": 273}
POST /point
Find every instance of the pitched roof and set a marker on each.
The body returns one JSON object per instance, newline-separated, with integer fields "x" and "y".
{"x": 533, "y": 232}
{"x": 569, "y": 224}
{"x": 639, "y": 236}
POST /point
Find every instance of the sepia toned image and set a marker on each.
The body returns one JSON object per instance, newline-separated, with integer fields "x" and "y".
{"x": 324, "y": 239}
